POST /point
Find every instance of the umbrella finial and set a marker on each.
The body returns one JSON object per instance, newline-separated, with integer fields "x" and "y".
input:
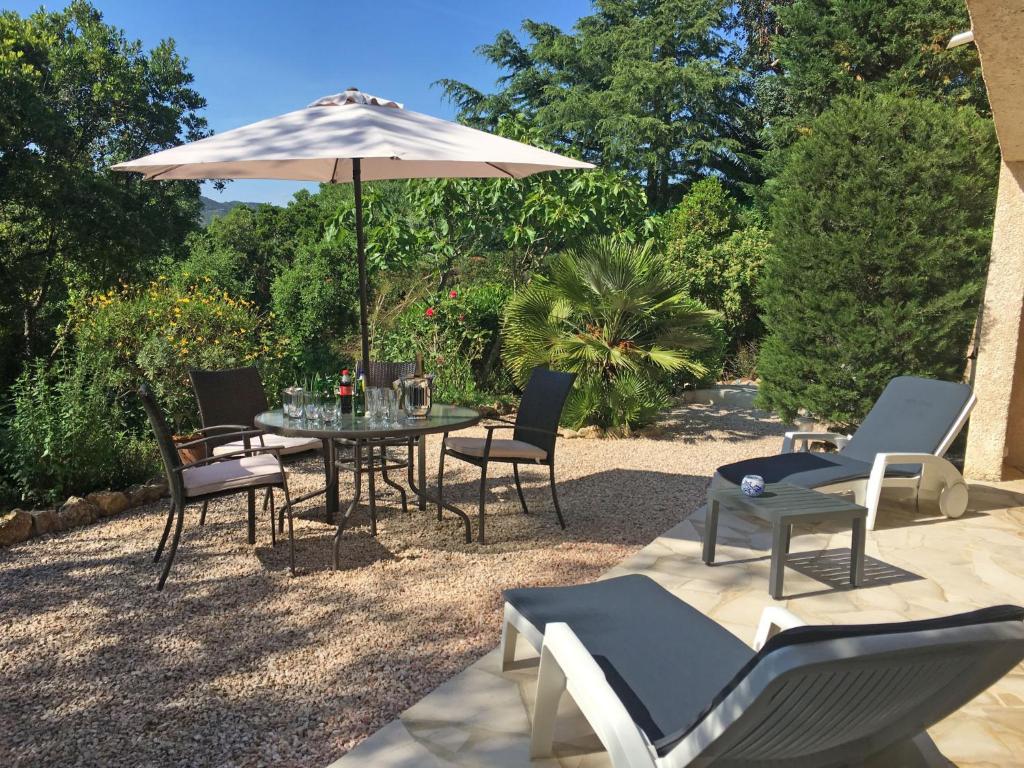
{"x": 354, "y": 96}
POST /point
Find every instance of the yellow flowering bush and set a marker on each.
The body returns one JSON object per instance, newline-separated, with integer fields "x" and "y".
{"x": 160, "y": 331}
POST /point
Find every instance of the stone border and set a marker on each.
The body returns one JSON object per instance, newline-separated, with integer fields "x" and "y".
{"x": 723, "y": 394}
{"x": 20, "y": 525}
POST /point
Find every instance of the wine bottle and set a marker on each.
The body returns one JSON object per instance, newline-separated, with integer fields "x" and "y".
{"x": 359, "y": 393}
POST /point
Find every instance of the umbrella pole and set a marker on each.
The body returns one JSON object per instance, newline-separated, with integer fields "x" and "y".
{"x": 364, "y": 326}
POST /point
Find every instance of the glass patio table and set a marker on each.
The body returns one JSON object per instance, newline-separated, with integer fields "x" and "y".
{"x": 362, "y": 432}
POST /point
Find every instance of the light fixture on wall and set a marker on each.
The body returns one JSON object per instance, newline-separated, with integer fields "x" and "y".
{"x": 962, "y": 39}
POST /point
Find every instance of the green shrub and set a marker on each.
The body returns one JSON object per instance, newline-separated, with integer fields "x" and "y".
{"x": 718, "y": 252}
{"x": 612, "y": 313}
{"x": 456, "y": 331}
{"x": 881, "y": 220}
{"x": 316, "y": 303}
{"x": 66, "y": 434}
{"x": 160, "y": 331}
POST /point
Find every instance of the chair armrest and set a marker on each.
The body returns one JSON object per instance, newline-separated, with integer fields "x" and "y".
{"x": 244, "y": 435}
{"x": 589, "y": 688}
{"x": 240, "y": 453}
{"x": 492, "y": 427}
{"x": 790, "y": 440}
{"x": 773, "y": 620}
{"x": 928, "y": 461}
{"x": 232, "y": 427}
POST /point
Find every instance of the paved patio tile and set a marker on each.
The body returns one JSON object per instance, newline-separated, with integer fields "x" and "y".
{"x": 919, "y": 566}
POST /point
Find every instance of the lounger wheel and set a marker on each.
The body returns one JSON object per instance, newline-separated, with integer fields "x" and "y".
{"x": 953, "y": 499}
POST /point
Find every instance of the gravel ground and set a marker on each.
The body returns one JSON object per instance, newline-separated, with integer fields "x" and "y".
{"x": 237, "y": 664}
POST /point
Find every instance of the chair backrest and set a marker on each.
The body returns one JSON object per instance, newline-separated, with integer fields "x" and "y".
{"x": 229, "y": 396}
{"x": 912, "y": 415}
{"x": 541, "y": 407}
{"x": 168, "y": 452}
{"x": 836, "y": 695}
{"x": 384, "y": 374}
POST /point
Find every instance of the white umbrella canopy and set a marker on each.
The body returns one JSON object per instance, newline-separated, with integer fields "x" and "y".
{"x": 320, "y": 143}
{"x": 351, "y": 137}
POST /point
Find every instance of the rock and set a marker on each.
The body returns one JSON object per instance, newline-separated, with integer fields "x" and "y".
{"x": 15, "y": 526}
{"x": 44, "y": 521}
{"x": 152, "y": 491}
{"x": 489, "y": 411}
{"x": 109, "y": 502}
{"x": 569, "y": 434}
{"x": 77, "y": 511}
{"x": 136, "y": 495}
{"x": 591, "y": 432}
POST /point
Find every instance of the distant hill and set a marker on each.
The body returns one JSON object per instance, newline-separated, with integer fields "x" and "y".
{"x": 214, "y": 208}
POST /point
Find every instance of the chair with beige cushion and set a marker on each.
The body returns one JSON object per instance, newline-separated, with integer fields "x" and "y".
{"x": 534, "y": 434}
{"x": 235, "y": 397}
{"x": 250, "y": 468}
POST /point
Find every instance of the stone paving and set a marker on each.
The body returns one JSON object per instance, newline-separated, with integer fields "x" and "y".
{"x": 919, "y": 565}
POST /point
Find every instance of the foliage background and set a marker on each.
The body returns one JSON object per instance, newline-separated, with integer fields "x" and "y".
{"x": 723, "y": 155}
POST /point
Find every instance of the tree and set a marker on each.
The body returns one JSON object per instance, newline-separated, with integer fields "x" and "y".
{"x": 718, "y": 249}
{"x": 881, "y": 219}
{"x": 315, "y": 299}
{"x": 76, "y": 96}
{"x": 650, "y": 88}
{"x": 612, "y": 313}
{"x": 830, "y": 48}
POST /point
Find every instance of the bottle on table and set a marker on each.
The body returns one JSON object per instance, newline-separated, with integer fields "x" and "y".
{"x": 345, "y": 392}
{"x": 359, "y": 393}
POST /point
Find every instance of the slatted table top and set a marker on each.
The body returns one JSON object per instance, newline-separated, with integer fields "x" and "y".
{"x": 791, "y": 503}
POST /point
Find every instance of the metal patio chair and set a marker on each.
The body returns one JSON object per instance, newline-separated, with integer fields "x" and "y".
{"x": 664, "y": 686}
{"x": 237, "y": 396}
{"x": 535, "y": 433}
{"x": 247, "y": 469}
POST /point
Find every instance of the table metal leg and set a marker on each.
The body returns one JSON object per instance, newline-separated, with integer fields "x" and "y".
{"x": 331, "y": 472}
{"x": 421, "y": 462}
{"x": 372, "y": 495}
{"x": 787, "y": 538}
{"x": 357, "y": 464}
{"x": 857, "y": 552}
{"x": 411, "y": 470}
{"x": 778, "y": 560}
{"x": 710, "y": 531}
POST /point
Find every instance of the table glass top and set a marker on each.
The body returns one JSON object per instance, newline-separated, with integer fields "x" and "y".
{"x": 442, "y": 418}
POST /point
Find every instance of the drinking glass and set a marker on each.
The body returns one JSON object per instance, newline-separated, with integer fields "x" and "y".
{"x": 373, "y": 404}
{"x": 312, "y": 409}
{"x": 390, "y": 403}
{"x": 291, "y": 402}
{"x": 330, "y": 407}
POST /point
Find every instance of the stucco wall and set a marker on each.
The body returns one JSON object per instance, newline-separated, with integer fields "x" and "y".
{"x": 995, "y": 441}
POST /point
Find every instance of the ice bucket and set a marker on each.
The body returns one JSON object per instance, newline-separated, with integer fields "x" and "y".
{"x": 416, "y": 396}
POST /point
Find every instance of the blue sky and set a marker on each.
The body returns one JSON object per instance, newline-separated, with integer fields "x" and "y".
{"x": 256, "y": 59}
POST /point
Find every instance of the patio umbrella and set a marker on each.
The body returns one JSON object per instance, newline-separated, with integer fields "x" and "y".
{"x": 351, "y": 137}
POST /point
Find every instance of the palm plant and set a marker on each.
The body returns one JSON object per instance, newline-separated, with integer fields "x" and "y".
{"x": 612, "y": 313}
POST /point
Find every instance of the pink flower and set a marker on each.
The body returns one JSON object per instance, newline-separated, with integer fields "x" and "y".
{"x": 452, "y": 294}
{"x": 462, "y": 318}
{"x": 429, "y": 312}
